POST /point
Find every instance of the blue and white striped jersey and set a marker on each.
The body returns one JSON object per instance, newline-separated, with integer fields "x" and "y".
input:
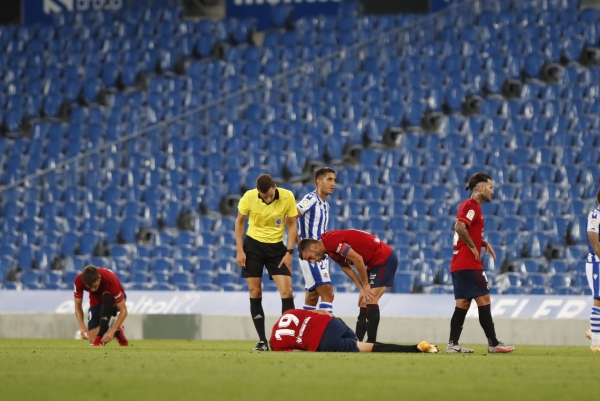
{"x": 315, "y": 216}
{"x": 592, "y": 225}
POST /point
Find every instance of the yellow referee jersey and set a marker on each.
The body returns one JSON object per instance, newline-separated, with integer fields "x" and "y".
{"x": 267, "y": 222}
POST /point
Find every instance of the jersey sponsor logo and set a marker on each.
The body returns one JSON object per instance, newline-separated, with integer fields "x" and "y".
{"x": 377, "y": 240}
{"x": 339, "y": 248}
{"x": 278, "y": 221}
{"x": 118, "y": 295}
{"x": 470, "y": 214}
{"x": 301, "y": 332}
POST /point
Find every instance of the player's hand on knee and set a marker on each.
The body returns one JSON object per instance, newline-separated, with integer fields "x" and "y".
{"x": 241, "y": 259}
{"x": 286, "y": 261}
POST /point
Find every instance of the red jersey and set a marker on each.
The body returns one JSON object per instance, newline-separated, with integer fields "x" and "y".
{"x": 469, "y": 212}
{"x": 299, "y": 329}
{"x": 109, "y": 283}
{"x": 339, "y": 242}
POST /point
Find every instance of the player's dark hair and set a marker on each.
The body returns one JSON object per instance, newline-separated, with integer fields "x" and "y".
{"x": 90, "y": 274}
{"x": 322, "y": 172}
{"x": 476, "y": 179}
{"x": 304, "y": 245}
{"x": 598, "y": 196}
{"x": 264, "y": 182}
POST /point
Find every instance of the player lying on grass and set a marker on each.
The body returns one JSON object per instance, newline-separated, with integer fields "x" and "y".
{"x": 107, "y": 297}
{"x": 320, "y": 331}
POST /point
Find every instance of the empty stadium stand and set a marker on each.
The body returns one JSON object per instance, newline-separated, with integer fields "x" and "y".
{"x": 128, "y": 137}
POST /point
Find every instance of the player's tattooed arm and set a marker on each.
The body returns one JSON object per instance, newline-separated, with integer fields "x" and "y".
{"x": 594, "y": 242}
{"x": 463, "y": 234}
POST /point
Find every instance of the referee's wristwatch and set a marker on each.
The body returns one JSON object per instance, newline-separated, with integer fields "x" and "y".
{"x": 290, "y": 251}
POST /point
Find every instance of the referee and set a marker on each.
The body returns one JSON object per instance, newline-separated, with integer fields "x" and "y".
{"x": 270, "y": 208}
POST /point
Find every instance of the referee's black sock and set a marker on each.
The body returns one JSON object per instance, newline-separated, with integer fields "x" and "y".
{"x": 379, "y": 347}
{"x": 258, "y": 317}
{"x": 487, "y": 323}
{"x": 106, "y": 312}
{"x": 372, "y": 322}
{"x": 287, "y": 304}
{"x": 361, "y": 324}
{"x": 456, "y": 324}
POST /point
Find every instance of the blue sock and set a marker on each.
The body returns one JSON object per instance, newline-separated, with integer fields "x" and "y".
{"x": 595, "y": 325}
{"x": 308, "y": 307}
{"x": 328, "y": 306}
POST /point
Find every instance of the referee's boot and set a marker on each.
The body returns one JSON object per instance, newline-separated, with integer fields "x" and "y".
{"x": 261, "y": 346}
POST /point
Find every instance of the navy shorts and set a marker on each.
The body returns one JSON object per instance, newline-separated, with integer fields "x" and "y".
{"x": 94, "y": 315}
{"x": 470, "y": 284}
{"x": 382, "y": 275}
{"x": 338, "y": 337}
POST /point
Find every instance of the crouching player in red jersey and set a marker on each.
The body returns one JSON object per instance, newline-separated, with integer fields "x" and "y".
{"x": 107, "y": 297}
{"x": 374, "y": 260}
{"x": 320, "y": 331}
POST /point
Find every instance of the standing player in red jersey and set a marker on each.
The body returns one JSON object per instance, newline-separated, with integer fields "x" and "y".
{"x": 320, "y": 331}
{"x": 374, "y": 260}
{"x": 468, "y": 277}
{"x": 107, "y": 297}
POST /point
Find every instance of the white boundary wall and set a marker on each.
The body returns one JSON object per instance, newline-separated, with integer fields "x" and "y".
{"x": 406, "y": 318}
{"x": 240, "y": 327}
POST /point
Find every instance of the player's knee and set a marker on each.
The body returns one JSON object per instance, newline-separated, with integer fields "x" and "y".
{"x": 311, "y": 298}
{"x": 255, "y": 292}
{"x": 286, "y": 292}
{"x": 328, "y": 294}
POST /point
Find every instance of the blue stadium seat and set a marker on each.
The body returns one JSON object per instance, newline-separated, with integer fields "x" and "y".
{"x": 139, "y": 265}
{"x": 559, "y": 281}
{"x": 32, "y": 280}
{"x": 404, "y": 282}
{"x": 557, "y": 266}
{"x": 536, "y": 280}
{"x": 160, "y": 266}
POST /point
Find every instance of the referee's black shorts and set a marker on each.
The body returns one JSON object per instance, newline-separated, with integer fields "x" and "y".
{"x": 259, "y": 254}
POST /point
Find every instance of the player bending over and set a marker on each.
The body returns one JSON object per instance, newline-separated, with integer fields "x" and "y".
{"x": 107, "y": 297}
{"x": 320, "y": 331}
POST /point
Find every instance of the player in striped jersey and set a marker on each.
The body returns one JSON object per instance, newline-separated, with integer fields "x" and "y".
{"x": 313, "y": 210}
{"x": 592, "y": 269}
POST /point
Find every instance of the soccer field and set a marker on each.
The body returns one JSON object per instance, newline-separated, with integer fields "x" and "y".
{"x": 227, "y": 370}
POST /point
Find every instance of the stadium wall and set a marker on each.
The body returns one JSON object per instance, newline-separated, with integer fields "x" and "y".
{"x": 539, "y": 320}
{"x": 240, "y": 327}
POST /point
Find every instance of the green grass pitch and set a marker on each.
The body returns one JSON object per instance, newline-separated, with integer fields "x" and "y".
{"x": 227, "y": 370}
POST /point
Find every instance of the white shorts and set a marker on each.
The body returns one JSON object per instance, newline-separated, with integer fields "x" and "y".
{"x": 315, "y": 274}
{"x": 592, "y": 270}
